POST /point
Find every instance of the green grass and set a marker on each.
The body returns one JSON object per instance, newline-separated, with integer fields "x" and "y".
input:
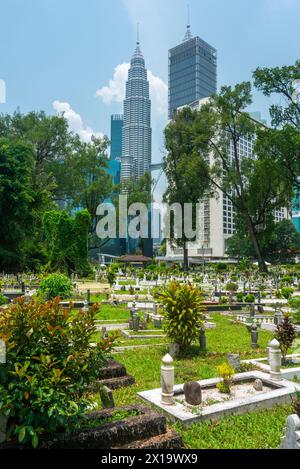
{"x": 261, "y": 430}
{"x": 257, "y": 430}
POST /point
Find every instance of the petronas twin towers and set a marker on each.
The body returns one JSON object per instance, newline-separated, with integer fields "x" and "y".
{"x": 137, "y": 132}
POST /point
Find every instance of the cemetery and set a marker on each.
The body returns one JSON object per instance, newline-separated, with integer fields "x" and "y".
{"x": 175, "y": 360}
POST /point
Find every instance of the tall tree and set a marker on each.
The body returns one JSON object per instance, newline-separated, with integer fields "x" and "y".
{"x": 16, "y": 199}
{"x": 282, "y": 142}
{"x": 185, "y": 170}
{"x": 253, "y": 185}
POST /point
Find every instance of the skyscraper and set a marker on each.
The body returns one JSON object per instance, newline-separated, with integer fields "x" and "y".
{"x": 116, "y": 127}
{"x": 192, "y": 72}
{"x": 137, "y": 133}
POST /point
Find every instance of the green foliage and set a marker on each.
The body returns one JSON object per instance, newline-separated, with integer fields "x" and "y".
{"x": 285, "y": 334}
{"x": 182, "y": 308}
{"x": 111, "y": 276}
{"x": 226, "y": 372}
{"x": 3, "y": 299}
{"x": 296, "y": 403}
{"x": 232, "y": 287}
{"x": 16, "y": 200}
{"x": 249, "y": 298}
{"x": 67, "y": 242}
{"x": 287, "y": 292}
{"x": 223, "y": 300}
{"x": 49, "y": 363}
{"x": 221, "y": 267}
{"x": 56, "y": 285}
{"x": 240, "y": 297}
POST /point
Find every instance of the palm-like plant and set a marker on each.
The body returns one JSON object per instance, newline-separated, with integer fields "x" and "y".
{"x": 183, "y": 310}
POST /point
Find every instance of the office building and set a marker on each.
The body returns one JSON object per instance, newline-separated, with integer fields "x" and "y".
{"x": 116, "y": 128}
{"x": 192, "y": 72}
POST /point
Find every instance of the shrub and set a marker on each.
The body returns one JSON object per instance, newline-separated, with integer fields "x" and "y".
{"x": 49, "y": 363}
{"x": 56, "y": 285}
{"x": 223, "y": 300}
{"x": 285, "y": 334}
{"x": 111, "y": 276}
{"x": 221, "y": 267}
{"x": 287, "y": 292}
{"x": 226, "y": 372}
{"x": 249, "y": 298}
{"x": 3, "y": 299}
{"x": 240, "y": 297}
{"x": 232, "y": 287}
{"x": 182, "y": 308}
{"x": 278, "y": 294}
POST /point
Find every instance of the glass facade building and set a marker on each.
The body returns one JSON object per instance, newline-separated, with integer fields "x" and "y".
{"x": 137, "y": 132}
{"x": 296, "y": 209}
{"x": 116, "y": 128}
{"x": 192, "y": 72}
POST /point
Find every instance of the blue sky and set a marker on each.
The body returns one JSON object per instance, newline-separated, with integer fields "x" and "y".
{"x": 56, "y": 54}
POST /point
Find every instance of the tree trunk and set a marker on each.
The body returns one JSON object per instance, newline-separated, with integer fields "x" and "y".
{"x": 185, "y": 257}
{"x": 253, "y": 235}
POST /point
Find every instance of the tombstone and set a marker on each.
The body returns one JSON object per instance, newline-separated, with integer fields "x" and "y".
{"x": 278, "y": 316}
{"x": 234, "y": 360}
{"x": 291, "y": 438}
{"x": 258, "y": 385}
{"x": 260, "y": 309}
{"x": 167, "y": 381}
{"x": 23, "y": 287}
{"x": 259, "y": 297}
{"x": 254, "y": 337}
{"x": 136, "y": 322}
{"x": 174, "y": 349}
{"x": 104, "y": 333}
{"x": 275, "y": 360}
{"x": 157, "y": 321}
{"x": 202, "y": 340}
{"x": 192, "y": 393}
{"x": 107, "y": 398}
{"x": 88, "y": 296}
{"x": 252, "y": 311}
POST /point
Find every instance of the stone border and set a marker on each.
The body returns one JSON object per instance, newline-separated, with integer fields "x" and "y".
{"x": 286, "y": 373}
{"x": 177, "y": 412}
{"x": 128, "y": 335}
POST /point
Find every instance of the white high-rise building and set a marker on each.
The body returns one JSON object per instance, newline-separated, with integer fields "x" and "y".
{"x": 137, "y": 133}
{"x": 217, "y": 216}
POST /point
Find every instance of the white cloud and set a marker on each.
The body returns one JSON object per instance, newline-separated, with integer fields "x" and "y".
{"x": 75, "y": 121}
{"x": 115, "y": 91}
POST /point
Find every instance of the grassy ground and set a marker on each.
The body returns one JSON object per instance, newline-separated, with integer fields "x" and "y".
{"x": 261, "y": 430}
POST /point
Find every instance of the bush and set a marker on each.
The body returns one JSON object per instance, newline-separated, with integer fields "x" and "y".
{"x": 3, "y": 299}
{"x": 287, "y": 292}
{"x": 249, "y": 298}
{"x": 111, "y": 276}
{"x": 182, "y": 308}
{"x": 240, "y": 297}
{"x": 285, "y": 334}
{"x": 232, "y": 287}
{"x": 56, "y": 285}
{"x": 49, "y": 363}
{"x": 226, "y": 372}
{"x": 221, "y": 267}
{"x": 223, "y": 300}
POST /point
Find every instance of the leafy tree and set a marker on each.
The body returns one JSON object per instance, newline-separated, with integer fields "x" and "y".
{"x": 16, "y": 199}
{"x": 281, "y": 244}
{"x": 253, "y": 185}
{"x": 185, "y": 170}
{"x": 67, "y": 241}
{"x": 282, "y": 142}
{"x": 86, "y": 181}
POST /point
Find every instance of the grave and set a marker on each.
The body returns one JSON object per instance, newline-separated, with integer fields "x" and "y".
{"x": 141, "y": 429}
{"x": 245, "y": 394}
{"x": 114, "y": 376}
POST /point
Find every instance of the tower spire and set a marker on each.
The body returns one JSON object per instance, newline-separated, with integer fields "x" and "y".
{"x": 188, "y": 34}
{"x": 138, "y": 34}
